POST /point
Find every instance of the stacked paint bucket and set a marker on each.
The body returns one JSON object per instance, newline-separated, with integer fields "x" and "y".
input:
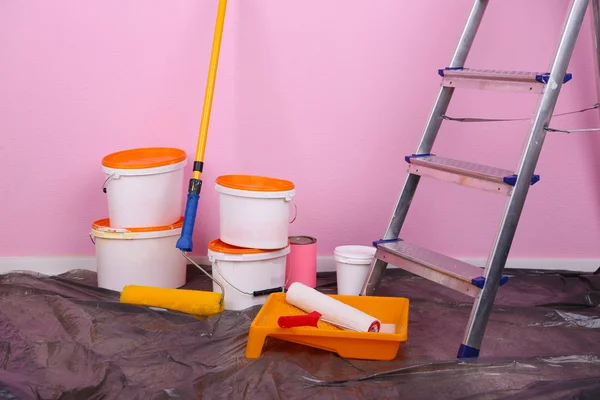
{"x": 254, "y": 244}
{"x": 135, "y": 245}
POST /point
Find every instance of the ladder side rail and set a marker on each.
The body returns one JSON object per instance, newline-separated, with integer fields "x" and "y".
{"x": 482, "y": 306}
{"x": 432, "y": 128}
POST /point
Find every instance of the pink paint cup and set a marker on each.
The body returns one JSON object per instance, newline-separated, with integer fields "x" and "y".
{"x": 302, "y": 261}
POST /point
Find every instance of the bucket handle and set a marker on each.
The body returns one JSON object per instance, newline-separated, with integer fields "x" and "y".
{"x": 205, "y": 273}
{"x": 256, "y": 293}
{"x": 92, "y": 239}
{"x": 111, "y": 176}
{"x": 295, "y": 212}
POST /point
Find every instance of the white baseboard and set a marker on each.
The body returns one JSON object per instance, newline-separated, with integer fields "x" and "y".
{"x": 47, "y": 265}
{"x": 327, "y": 263}
{"x": 548, "y": 264}
{"x": 54, "y": 265}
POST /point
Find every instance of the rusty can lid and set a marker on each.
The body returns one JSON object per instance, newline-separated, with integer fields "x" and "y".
{"x": 302, "y": 240}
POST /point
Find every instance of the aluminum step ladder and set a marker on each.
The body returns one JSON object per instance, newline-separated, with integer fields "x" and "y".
{"x": 482, "y": 284}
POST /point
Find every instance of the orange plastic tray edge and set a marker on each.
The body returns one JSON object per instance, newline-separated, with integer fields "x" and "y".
{"x": 348, "y": 344}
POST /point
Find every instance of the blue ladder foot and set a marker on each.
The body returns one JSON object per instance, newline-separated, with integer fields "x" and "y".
{"x": 467, "y": 352}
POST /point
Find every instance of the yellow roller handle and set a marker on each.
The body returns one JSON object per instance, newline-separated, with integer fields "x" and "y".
{"x": 210, "y": 87}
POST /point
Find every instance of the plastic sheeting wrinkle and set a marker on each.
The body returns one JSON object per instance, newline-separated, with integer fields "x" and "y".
{"x": 585, "y": 321}
{"x": 416, "y": 369}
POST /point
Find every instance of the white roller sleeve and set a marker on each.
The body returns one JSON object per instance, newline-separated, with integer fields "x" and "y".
{"x": 309, "y": 300}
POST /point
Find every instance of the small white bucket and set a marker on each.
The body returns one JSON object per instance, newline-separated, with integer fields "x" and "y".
{"x": 246, "y": 270}
{"x": 144, "y": 186}
{"x": 144, "y": 256}
{"x": 254, "y": 211}
{"x": 352, "y": 267}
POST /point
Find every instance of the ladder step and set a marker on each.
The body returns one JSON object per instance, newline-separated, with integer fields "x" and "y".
{"x": 488, "y": 79}
{"x": 464, "y": 173}
{"x": 436, "y": 267}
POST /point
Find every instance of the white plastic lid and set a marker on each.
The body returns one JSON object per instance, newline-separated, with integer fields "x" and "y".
{"x": 354, "y": 254}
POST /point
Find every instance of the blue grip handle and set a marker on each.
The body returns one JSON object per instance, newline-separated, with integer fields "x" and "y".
{"x": 189, "y": 218}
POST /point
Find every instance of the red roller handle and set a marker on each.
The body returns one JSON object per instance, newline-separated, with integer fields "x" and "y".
{"x": 293, "y": 321}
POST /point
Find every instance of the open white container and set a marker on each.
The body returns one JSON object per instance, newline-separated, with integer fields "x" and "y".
{"x": 138, "y": 256}
{"x": 254, "y": 211}
{"x": 352, "y": 267}
{"x": 144, "y": 186}
{"x": 248, "y": 270}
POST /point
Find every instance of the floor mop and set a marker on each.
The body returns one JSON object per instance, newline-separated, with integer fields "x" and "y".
{"x": 190, "y": 301}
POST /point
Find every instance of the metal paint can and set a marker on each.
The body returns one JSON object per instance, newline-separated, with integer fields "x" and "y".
{"x": 302, "y": 261}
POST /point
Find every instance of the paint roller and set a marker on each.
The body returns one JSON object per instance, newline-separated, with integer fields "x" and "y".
{"x": 193, "y": 302}
{"x": 326, "y": 308}
{"x": 189, "y": 301}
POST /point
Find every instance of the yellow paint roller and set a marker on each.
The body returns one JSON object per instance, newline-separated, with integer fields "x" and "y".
{"x": 189, "y": 301}
{"x": 193, "y": 302}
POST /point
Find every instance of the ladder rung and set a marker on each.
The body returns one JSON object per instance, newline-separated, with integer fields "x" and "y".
{"x": 464, "y": 173}
{"x": 532, "y": 82}
{"x": 446, "y": 271}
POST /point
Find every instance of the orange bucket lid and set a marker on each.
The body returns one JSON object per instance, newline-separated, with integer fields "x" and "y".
{"x": 148, "y": 157}
{"x": 104, "y": 225}
{"x": 222, "y": 247}
{"x": 255, "y": 183}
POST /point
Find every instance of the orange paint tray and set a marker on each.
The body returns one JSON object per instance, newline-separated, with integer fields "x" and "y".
{"x": 348, "y": 344}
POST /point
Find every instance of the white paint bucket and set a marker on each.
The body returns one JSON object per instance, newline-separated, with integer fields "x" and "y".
{"x": 246, "y": 270}
{"x": 352, "y": 267}
{"x": 254, "y": 211}
{"x": 144, "y": 186}
{"x": 138, "y": 256}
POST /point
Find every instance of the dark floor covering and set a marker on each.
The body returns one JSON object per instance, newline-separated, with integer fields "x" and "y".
{"x": 63, "y": 338}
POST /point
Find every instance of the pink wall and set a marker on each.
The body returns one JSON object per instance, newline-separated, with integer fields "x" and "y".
{"x": 329, "y": 94}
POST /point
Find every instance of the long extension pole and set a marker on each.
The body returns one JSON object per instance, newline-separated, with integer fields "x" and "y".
{"x": 185, "y": 241}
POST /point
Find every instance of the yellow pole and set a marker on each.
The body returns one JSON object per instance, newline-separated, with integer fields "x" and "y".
{"x": 210, "y": 87}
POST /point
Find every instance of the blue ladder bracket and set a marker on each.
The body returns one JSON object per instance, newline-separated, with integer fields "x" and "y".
{"x": 480, "y": 281}
{"x": 512, "y": 179}
{"x": 407, "y": 158}
{"x": 543, "y": 78}
{"x": 375, "y": 243}
{"x": 441, "y": 71}
{"x": 465, "y": 351}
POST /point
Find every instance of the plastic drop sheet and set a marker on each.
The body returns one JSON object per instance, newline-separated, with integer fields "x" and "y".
{"x": 63, "y": 338}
